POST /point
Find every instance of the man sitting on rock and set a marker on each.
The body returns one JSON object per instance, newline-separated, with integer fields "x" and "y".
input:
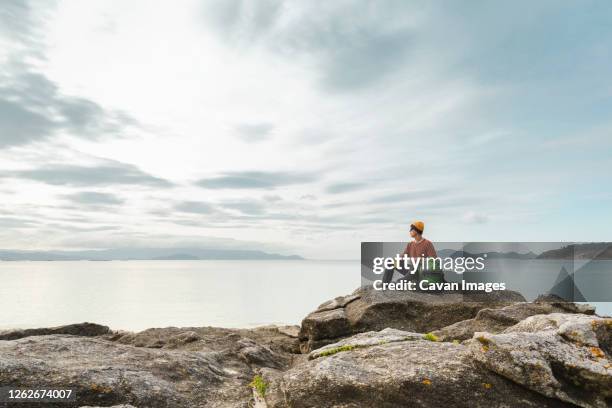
{"x": 417, "y": 248}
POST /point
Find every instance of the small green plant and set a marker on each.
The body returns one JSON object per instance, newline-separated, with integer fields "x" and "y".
{"x": 485, "y": 343}
{"x": 335, "y": 350}
{"x": 456, "y": 341}
{"x": 483, "y": 340}
{"x": 431, "y": 337}
{"x": 259, "y": 385}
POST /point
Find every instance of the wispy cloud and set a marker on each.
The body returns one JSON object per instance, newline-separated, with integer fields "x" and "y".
{"x": 16, "y": 21}
{"x": 32, "y": 108}
{"x": 254, "y": 180}
{"x": 102, "y": 175}
{"x": 94, "y": 198}
{"x": 346, "y": 40}
{"x": 345, "y": 187}
{"x": 476, "y": 218}
{"x": 254, "y": 132}
{"x": 14, "y": 222}
{"x": 194, "y": 207}
{"x": 416, "y": 195}
{"x": 250, "y": 207}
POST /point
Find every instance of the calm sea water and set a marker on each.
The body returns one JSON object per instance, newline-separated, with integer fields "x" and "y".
{"x": 134, "y": 295}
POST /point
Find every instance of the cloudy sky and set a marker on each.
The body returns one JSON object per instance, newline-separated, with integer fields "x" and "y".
{"x": 303, "y": 126}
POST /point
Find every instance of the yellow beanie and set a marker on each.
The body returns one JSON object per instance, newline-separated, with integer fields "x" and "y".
{"x": 420, "y": 225}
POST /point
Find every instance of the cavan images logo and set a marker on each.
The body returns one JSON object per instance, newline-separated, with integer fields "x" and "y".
{"x": 427, "y": 273}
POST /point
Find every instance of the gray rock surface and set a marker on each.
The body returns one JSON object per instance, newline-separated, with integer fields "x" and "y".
{"x": 542, "y": 354}
{"x": 207, "y": 338}
{"x": 367, "y": 310}
{"x": 405, "y": 372}
{"x": 564, "y": 356}
{"x": 114, "y": 406}
{"x": 105, "y": 373}
{"x": 78, "y": 329}
{"x": 191, "y": 367}
{"x": 366, "y": 339}
{"x": 495, "y": 320}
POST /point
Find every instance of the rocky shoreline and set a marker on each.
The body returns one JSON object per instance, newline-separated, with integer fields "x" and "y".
{"x": 367, "y": 349}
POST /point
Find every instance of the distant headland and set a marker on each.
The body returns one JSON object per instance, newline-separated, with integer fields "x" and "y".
{"x": 143, "y": 254}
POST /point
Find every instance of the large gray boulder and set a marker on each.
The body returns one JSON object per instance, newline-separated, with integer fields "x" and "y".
{"x": 564, "y": 356}
{"x": 174, "y": 367}
{"x": 106, "y": 373}
{"x": 493, "y": 320}
{"x": 370, "y": 310}
{"x": 394, "y": 368}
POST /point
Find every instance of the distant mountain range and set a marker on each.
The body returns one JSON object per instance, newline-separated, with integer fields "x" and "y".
{"x": 489, "y": 255}
{"x": 142, "y": 254}
{"x": 596, "y": 250}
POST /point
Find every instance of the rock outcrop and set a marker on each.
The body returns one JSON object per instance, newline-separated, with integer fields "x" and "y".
{"x": 367, "y": 310}
{"x": 366, "y": 339}
{"x": 564, "y": 356}
{"x": 395, "y": 369}
{"x": 78, "y": 329}
{"x": 280, "y": 338}
{"x": 173, "y": 367}
{"x": 114, "y": 406}
{"x": 495, "y": 320}
{"x": 364, "y": 350}
{"x": 546, "y": 360}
